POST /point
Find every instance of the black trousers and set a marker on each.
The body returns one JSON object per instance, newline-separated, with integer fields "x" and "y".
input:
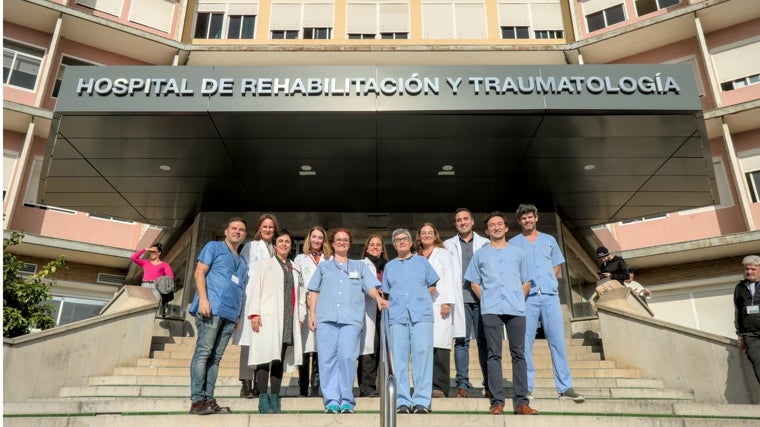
{"x": 442, "y": 369}
{"x": 366, "y": 369}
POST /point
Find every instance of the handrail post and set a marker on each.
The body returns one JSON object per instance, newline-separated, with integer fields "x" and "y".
{"x": 388, "y": 393}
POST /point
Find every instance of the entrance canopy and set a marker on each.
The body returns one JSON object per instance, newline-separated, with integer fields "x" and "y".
{"x": 596, "y": 144}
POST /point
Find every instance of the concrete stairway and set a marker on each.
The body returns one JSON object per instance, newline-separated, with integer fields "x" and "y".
{"x": 156, "y": 391}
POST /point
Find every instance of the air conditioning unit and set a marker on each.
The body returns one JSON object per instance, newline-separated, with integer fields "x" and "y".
{"x": 111, "y": 279}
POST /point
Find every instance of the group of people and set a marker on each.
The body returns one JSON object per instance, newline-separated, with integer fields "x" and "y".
{"x": 319, "y": 313}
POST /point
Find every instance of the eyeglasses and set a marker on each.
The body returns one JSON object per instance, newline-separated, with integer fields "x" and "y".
{"x": 401, "y": 239}
{"x": 341, "y": 240}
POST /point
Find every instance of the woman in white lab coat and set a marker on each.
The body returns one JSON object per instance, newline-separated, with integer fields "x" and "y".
{"x": 375, "y": 257}
{"x": 260, "y": 248}
{"x": 428, "y": 243}
{"x": 316, "y": 250}
{"x": 276, "y": 312}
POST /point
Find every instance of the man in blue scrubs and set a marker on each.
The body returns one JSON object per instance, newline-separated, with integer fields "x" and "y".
{"x": 498, "y": 273}
{"x": 544, "y": 260}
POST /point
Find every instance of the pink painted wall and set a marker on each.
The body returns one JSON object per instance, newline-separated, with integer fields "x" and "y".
{"x": 727, "y": 36}
{"x": 630, "y": 13}
{"x": 29, "y": 37}
{"x": 77, "y": 227}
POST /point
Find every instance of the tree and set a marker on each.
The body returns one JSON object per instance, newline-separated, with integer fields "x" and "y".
{"x": 26, "y": 301}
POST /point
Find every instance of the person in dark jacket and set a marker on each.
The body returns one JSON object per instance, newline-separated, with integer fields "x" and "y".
{"x": 747, "y": 311}
{"x": 613, "y": 267}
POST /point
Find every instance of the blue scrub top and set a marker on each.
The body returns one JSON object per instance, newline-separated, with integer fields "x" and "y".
{"x": 341, "y": 290}
{"x": 542, "y": 256}
{"x": 500, "y": 274}
{"x": 224, "y": 295}
{"x": 406, "y": 282}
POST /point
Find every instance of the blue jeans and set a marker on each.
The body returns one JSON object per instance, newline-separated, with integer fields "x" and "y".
{"x": 462, "y": 347}
{"x": 214, "y": 333}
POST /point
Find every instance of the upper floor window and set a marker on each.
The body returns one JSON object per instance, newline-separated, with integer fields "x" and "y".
{"x": 733, "y": 66}
{"x": 753, "y": 181}
{"x": 525, "y": 20}
{"x": 284, "y": 34}
{"x": 9, "y": 166}
{"x": 208, "y": 25}
{"x": 741, "y": 82}
{"x": 373, "y": 19}
{"x": 65, "y": 62}
{"x": 750, "y": 164}
{"x": 453, "y": 20}
{"x": 301, "y": 19}
{"x": 549, "y": 34}
{"x": 605, "y": 18}
{"x": 317, "y": 33}
{"x": 21, "y": 65}
{"x": 648, "y": 6}
{"x": 241, "y": 26}
{"x": 515, "y": 33}
{"x": 394, "y": 36}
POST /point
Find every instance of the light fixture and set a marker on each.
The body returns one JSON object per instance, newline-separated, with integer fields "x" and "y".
{"x": 589, "y": 167}
{"x": 165, "y": 168}
{"x": 446, "y": 170}
{"x": 306, "y": 170}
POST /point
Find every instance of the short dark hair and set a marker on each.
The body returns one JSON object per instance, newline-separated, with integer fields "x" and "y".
{"x": 236, "y": 219}
{"x": 493, "y": 214}
{"x": 158, "y": 246}
{"x": 283, "y": 232}
{"x": 462, "y": 210}
{"x": 526, "y": 208}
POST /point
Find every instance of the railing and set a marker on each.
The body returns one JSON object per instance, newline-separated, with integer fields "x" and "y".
{"x": 388, "y": 391}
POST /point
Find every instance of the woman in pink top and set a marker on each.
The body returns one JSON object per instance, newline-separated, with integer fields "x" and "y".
{"x": 153, "y": 267}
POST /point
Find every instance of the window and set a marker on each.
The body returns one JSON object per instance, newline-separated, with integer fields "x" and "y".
{"x": 549, "y": 34}
{"x": 284, "y": 34}
{"x": 21, "y": 65}
{"x": 361, "y": 36}
{"x": 69, "y": 309}
{"x": 605, "y": 18}
{"x": 208, "y": 25}
{"x": 740, "y": 83}
{"x": 648, "y": 6}
{"x": 241, "y": 26}
{"x": 65, "y": 62}
{"x": 317, "y": 33}
{"x": 394, "y": 36}
{"x": 515, "y": 33}
{"x": 753, "y": 182}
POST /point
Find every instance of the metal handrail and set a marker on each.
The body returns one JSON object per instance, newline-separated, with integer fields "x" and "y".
{"x": 388, "y": 392}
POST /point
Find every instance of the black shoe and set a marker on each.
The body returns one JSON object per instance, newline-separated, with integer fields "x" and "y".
{"x": 419, "y": 409}
{"x": 403, "y": 409}
{"x": 201, "y": 407}
{"x": 218, "y": 409}
{"x": 245, "y": 390}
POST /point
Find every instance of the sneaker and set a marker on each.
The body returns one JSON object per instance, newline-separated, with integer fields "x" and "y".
{"x": 419, "y": 409}
{"x": 218, "y": 409}
{"x": 403, "y": 409}
{"x": 332, "y": 409}
{"x": 570, "y": 394}
{"x": 530, "y": 395}
{"x": 200, "y": 407}
{"x": 346, "y": 409}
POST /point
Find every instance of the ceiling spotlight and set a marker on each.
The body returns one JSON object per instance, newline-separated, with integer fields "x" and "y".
{"x": 446, "y": 170}
{"x": 589, "y": 167}
{"x": 306, "y": 171}
{"x": 165, "y": 168}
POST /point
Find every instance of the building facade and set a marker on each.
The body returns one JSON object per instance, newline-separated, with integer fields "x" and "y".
{"x": 690, "y": 259}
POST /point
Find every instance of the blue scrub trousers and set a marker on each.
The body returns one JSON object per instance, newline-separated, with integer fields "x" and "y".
{"x": 547, "y": 308}
{"x": 338, "y": 348}
{"x": 415, "y": 340}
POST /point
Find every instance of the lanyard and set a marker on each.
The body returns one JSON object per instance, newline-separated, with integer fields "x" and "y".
{"x": 348, "y": 265}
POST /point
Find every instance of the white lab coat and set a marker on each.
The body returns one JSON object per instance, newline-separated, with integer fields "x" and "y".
{"x": 267, "y": 300}
{"x": 253, "y": 253}
{"x": 453, "y": 245}
{"x": 370, "y": 314}
{"x": 307, "y": 266}
{"x": 446, "y": 291}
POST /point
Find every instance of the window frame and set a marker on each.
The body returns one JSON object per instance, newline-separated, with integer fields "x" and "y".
{"x": 285, "y": 34}
{"x": 604, "y": 14}
{"x": 209, "y": 25}
{"x": 316, "y": 33}
{"x": 17, "y": 48}
{"x": 62, "y": 68}
{"x": 517, "y": 31}
{"x": 242, "y": 26}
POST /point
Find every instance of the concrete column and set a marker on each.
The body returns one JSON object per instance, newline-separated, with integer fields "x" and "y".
{"x": 737, "y": 179}
{"x": 707, "y": 62}
{"x": 48, "y": 64}
{"x": 18, "y": 182}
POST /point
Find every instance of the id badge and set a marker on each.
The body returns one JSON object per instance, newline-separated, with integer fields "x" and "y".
{"x": 353, "y": 275}
{"x": 235, "y": 279}
{"x": 753, "y": 309}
